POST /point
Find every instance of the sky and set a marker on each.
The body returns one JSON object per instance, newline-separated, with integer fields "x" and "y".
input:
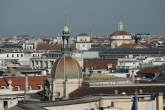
{"x": 47, "y": 17}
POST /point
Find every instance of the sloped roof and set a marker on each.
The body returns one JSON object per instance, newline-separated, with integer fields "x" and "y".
{"x": 82, "y": 34}
{"x": 33, "y": 81}
{"x": 133, "y": 45}
{"x": 28, "y": 106}
{"x": 149, "y": 70}
{"x": 49, "y": 47}
{"x": 16, "y": 108}
{"x": 99, "y": 63}
{"x": 56, "y": 47}
{"x": 98, "y": 76}
{"x": 120, "y": 33}
{"x": 96, "y": 91}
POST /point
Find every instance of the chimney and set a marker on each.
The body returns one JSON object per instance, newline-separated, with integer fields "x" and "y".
{"x": 10, "y": 85}
{"x": 141, "y": 91}
{"x": 116, "y": 92}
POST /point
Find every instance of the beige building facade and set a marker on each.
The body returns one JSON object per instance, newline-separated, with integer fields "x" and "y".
{"x": 122, "y": 102}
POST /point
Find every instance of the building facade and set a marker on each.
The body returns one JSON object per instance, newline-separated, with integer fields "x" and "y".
{"x": 83, "y": 42}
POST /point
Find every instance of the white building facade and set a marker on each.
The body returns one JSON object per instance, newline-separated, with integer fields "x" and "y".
{"x": 17, "y": 59}
{"x": 83, "y": 42}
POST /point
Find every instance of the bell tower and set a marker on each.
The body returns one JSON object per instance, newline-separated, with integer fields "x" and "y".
{"x": 120, "y": 26}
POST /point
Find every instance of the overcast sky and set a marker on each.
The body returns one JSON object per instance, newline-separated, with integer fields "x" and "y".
{"x": 47, "y": 17}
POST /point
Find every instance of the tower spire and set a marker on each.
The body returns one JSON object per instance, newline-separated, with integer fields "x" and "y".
{"x": 120, "y": 25}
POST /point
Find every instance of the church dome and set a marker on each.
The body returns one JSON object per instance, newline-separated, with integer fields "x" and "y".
{"x": 118, "y": 33}
{"x": 71, "y": 68}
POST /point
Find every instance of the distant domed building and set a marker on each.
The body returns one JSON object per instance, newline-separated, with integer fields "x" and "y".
{"x": 66, "y": 75}
{"x": 120, "y": 37}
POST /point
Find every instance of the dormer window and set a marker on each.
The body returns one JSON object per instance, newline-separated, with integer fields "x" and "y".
{"x": 17, "y": 88}
{"x": 40, "y": 87}
{"x": 3, "y": 87}
{"x": 21, "y": 55}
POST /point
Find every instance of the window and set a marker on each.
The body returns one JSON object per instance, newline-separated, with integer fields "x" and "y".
{"x": 37, "y": 63}
{"x": 7, "y": 55}
{"x": 112, "y": 104}
{"x": 46, "y": 64}
{"x": 52, "y": 62}
{"x": 5, "y": 105}
{"x": 39, "y": 87}
{"x": 58, "y": 93}
{"x": 21, "y": 55}
{"x": 33, "y": 63}
{"x": 41, "y": 62}
{"x": 17, "y": 55}
{"x": 92, "y": 108}
{"x": 12, "y": 55}
{"x": 17, "y": 88}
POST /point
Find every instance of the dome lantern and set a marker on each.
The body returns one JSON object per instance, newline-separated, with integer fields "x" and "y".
{"x": 65, "y": 38}
{"x": 65, "y": 30}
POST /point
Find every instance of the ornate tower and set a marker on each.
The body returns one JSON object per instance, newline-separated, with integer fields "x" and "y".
{"x": 65, "y": 38}
{"x": 66, "y": 73}
{"x": 120, "y": 26}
